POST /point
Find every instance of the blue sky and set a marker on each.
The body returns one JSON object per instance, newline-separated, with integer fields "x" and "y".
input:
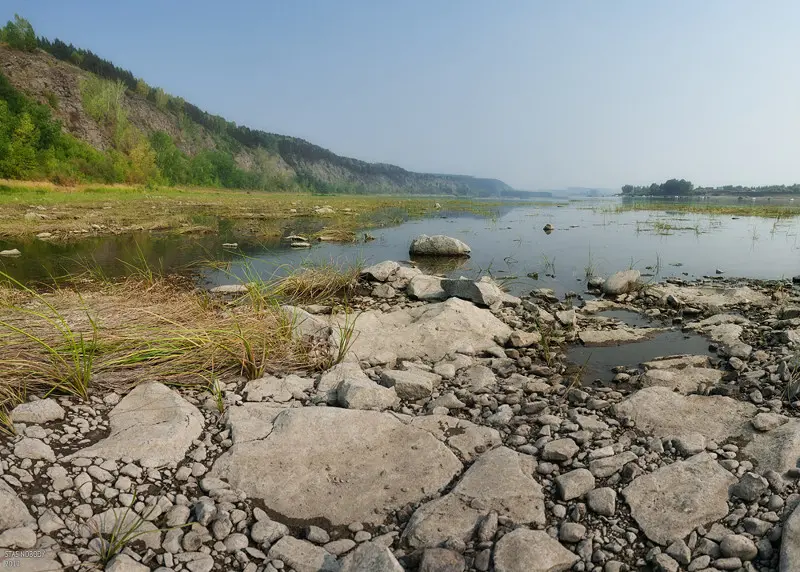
{"x": 541, "y": 94}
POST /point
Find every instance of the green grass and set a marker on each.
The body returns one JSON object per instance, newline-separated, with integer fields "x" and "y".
{"x": 759, "y": 210}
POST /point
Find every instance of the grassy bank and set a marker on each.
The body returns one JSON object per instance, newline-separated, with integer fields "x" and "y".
{"x": 748, "y": 208}
{"x": 108, "y": 336}
{"x": 30, "y": 208}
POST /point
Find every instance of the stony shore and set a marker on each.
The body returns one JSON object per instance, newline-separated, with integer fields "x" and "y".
{"x": 454, "y": 436}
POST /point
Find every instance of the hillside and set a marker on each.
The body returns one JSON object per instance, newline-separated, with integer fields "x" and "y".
{"x": 145, "y": 135}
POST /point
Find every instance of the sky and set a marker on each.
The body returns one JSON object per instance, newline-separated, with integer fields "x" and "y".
{"x": 541, "y": 94}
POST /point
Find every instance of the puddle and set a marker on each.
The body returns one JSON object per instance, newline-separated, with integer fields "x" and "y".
{"x": 633, "y": 319}
{"x": 600, "y": 360}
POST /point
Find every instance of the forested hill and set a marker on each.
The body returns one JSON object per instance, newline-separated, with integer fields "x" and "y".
{"x": 68, "y": 115}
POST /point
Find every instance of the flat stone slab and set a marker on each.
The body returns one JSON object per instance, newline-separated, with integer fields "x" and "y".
{"x": 617, "y": 336}
{"x": 338, "y": 465}
{"x": 271, "y": 388}
{"x": 790, "y": 543}
{"x": 152, "y": 424}
{"x": 13, "y": 512}
{"x": 524, "y": 550}
{"x": 677, "y": 362}
{"x": 661, "y": 412}
{"x": 715, "y": 297}
{"x": 251, "y": 421}
{"x": 430, "y": 332}
{"x": 686, "y": 380}
{"x": 672, "y": 501}
{"x": 778, "y": 449}
{"x": 500, "y": 480}
{"x": 462, "y": 436}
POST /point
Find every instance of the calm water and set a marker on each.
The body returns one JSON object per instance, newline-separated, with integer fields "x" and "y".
{"x": 510, "y": 245}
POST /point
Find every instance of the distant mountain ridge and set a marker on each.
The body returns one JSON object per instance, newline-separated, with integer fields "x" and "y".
{"x": 55, "y": 74}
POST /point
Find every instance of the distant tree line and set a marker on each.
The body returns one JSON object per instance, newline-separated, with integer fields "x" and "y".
{"x": 672, "y": 187}
{"x": 681, "y": 187}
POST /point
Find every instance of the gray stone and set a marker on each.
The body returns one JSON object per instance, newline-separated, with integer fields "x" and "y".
{"x": 670, "y": 502}
{"x": 664, "y": 413}
{"x": 523, "y": 339}
{"x": 738, "y": 546}
{"x": 21, "y": 538}
{"x": 605, "y": 467}
{"x": 680, "y": 552}
{"x": 381, "y": 271}
{"x": 524, "y": 550}
{"x": 477, "y": 378}
{"x": 411, "y": 384}
{"x": 621, "y": 282}
{"x": 777, "y": 450}
{"x": 371, "y": 557}
{"x": 484, "y": 292}
{"x": 122, "y": 519}
{"x": 281, "y": 390}
{"x": 152, "y": 424}
{"x": 12, "y": 251}
{"x": 602, "y": 501}
{"x": 34, "y": 449}
{"x": 750, "y": 487}
{"x": 426, "y": 288}
{"x": 690, "y": 443}
{"x": 268, "y": 531}
{"x": 571, "y": 532}
{"x": 355, "y": 466}
{"x": 438, "y": 245}
{"x": 305, "y": 325}
{"x": 303, "y": 556}
{"x": 769, "y": 421}
{"x": 38, "y": 412}
{"x": 574, "y": 484}
{"x": 403, "y": 276}
{"x": 464, "y": 437}
{"x": 441, "y": 560}
{"x": 360, "y": 392}
{"x": 790, "y": 543}
{"x": 560, "y": 450}
{"x": 431, "y": 331}
{"x": 383, "y": 291}
{"x": 686, "y": 380}
{"x": 622, "y": 335}
{"x": 499, "y": 480}
{"x": 664, "y": 563}
{"x": 124, "y": 563}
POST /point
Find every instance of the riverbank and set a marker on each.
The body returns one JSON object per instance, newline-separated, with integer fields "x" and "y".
{"x": 70, "y": 213}
{"x": 452, "y": 435}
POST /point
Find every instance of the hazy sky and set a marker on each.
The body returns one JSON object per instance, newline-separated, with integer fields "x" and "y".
{"x": 541, "y": 94}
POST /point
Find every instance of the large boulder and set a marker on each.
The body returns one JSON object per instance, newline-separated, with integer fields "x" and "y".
{"x": 484, "y": 292}
{"x": 621, "y": 282}
{"x": 672, "y": 501}
{"x": 381, "y": 271}
{"x": 499, "y": 480}
{"x": 13, "y": 512}
{"x": 664, "y": 413}
{"x": 524, "y": 550}
{"x": 426, "y": 288}
{"x": 430, "y": 332}
{"x": 152, "y": 424}
{"x": 438, "y": 245}
{"x": 338, "y": 465}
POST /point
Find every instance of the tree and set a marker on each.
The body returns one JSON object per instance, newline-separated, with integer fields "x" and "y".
{"x": 627, "y": 190}
{"x": 142, "y": 88}
{"x": 19, "y": 34}
{"x": 20, "y": 160}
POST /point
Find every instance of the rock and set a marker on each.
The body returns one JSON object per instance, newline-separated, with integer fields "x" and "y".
{"x": 621, "y": 282}
{"x": 602, "y": 501}
{"x": 381, "y": 271}
{"x": 605, "y": 467}
{"x": 686, "y": 380}
{"x": 790, "y": 542}
{"x": 671, "y": 501}
{"x": 499, "y": 480}
{"x": 403, "y": 276}
{"x": 317, "y": 535}
{"x": 371, "y": 557}
{"x": 664, "y": 563}
{"x": 431, "y": 331}
{"x": 20, "y": 538}
{"x": 574, "y": 484}
{"x": 383, "y": 291}
{"x": 567, "y": 318}
{"x": 357, "y": 391}
{"x": 11, "y": 252}
{"x": 34, "y": 449}
{"x": 717, "y": 297}
{"x": 548, "y": 228}
{"x": 117, "y": 519}
{"x": 680, "y": 552}
{"x": 124, "y": 563}
{"x": 438, "y": 245}
{"x": 560, "y": 450}
{"x": 664, "y": 413}
{"x": 769, "y": 421}
{"x": 427, "y": 288}
{"x": 38, "y": 412}
{"x": 776, "y": 450}
{"x": 477, "y": 378}
{"x": 268, "y": 531}
{"x": 738, "y": 546}
{"x": 596, "y": 282}
{"x": 484, "y": 292}
{"x": 750, "y": 487}
{"x": 306, "y": 325}
{"x": 303, "y": 556}
{"x": 524, "y": 550}
{"x": 464, "y": 437}
{"x": 152, "y": 424}
{"x": 522, "y": 339}
{"x": 677, "y": 362}
{"x": 441, "y": 560}
{"x": 411, "y": 384}
{"x": 230, "y": 289}
{"x": 281, "y": 390}
{"x": 251, "y": 421}
{"x": 355, "y": 466}
{"x": 571, "y": 532}
{"x": 615, "y": 337}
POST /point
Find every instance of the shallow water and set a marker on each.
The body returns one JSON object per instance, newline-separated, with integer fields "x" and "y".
{"x": 510, "y": 245}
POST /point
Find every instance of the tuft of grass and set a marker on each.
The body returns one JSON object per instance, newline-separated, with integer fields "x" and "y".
{"x": 793, "y": 384}
{"x": 549, "y": 265}
{"x": 346, "y": 336}
{"x": 128, "y": 525}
